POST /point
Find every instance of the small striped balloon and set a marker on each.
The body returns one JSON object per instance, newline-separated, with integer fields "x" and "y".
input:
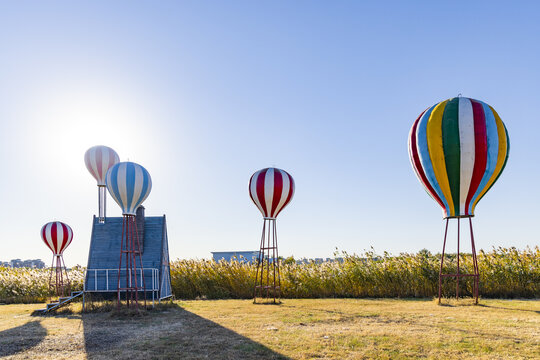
{"x": 57, "y": 236}
{"x": 99, "y": 159}
{"x": 129, "y": 184}
{"x": 458, "y": 148}
{"x": 271, "y": 190}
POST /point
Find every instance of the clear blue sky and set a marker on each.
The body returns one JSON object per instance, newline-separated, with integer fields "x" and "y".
{"x": 204, "y": 93}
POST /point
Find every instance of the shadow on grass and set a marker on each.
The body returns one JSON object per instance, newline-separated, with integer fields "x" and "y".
{"x": 168, "y": 332}
{"x": 508, "y": 308}
{"x": 21, "y": 338}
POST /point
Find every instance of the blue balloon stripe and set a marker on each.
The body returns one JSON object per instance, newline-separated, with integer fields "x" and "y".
{"x": 425, "y": 158}
{"x": 113, "y": 184}
{"x": 130, "y": 185}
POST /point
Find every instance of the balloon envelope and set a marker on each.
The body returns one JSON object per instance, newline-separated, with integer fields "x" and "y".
{"x": 129, "y": 184}
{"x": 98, "y": 160}
{"x": 458, "y": 149}
{"x": 57, "y": 236}
{"x": 271, "y": 190}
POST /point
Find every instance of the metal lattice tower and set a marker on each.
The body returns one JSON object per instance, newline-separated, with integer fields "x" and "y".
{"x": 130, "y": 254}
{"x": 267, "y": 278}
{"x": 475, "y": 275}
{"x": 60, "y": 282}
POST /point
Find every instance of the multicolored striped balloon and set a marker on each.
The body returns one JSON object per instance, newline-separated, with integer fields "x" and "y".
{"x": 99, "y": 159}
{"x": 271, "y": 190}
{"x": 458, "y": 148}
{"x": 57, "y": 236}
{"x": 129, "y": 184}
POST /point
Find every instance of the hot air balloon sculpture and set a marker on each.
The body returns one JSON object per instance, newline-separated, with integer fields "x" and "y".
{"x": 57, "y": 236}
{"x": 271, "y": 190}
{"x": 458, "y": 149}
{"x": 99, "y": 159}
{"x": 129, "y": 185}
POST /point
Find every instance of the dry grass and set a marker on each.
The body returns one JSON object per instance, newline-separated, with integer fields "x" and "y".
{"x": 296, "y": 329}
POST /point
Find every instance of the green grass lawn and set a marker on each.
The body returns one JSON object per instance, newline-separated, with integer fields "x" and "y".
{"x": 296, "y": 329}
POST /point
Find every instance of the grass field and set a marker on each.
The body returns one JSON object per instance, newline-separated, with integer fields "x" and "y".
{"x": 296, "y": 329}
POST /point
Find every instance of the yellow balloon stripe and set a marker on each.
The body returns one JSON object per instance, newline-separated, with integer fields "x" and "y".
{"x": 436, "y": 152}
{"x": 501, "y": 156}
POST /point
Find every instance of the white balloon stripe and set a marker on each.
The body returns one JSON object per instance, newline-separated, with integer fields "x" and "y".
{"x": 59, "y": 237}
{"x": 105, "y": 163}
{"x": 268, "y": 191}
{"x": 93, "y": 163}
{"x": 253, "y": 191}
{"x": 96, "y": 162}
{"x": 49, "y": 237}
{"x": 467, "y": 147}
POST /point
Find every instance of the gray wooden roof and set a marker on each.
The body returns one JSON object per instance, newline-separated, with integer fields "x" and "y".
{"x": 105, "y": 254}
{"x": 106, "y": 238}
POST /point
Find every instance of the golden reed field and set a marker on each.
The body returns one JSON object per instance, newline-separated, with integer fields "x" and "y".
{"x": 505, "y": 273}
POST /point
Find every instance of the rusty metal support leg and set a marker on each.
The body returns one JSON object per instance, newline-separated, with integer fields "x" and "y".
{"x": 65, "y": 270}
{"x": 476, "y": 283}
{"x": 140, "y": 252}
{"x": 58, "y": 277}
{"x": 457, "y": 277}
{"x": 273, "y": 264}
{"x": 268, "y": 285}
{"x": 259, "y": 263}
{"x": 268, "y": 261}
{"x": 277, "y": 264}
{"x": 50, "y": 277}
{"x": 118, "y": 301}
{"x": 128, "y": 270}
{"x": 442, "y": 260}
{"x": 475, "y": 275}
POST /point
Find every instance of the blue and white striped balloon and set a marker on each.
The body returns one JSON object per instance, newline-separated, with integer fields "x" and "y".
{"x": 129, "y": 184}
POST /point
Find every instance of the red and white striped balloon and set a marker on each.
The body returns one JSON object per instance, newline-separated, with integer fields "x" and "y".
{"x": 271, "y": 190}
{"x": 99, "y": 159}
{"x": 57, "y": 236}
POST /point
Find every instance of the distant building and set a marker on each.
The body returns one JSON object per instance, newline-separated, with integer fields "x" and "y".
{"x": 319, "y": 260}
{"x": 251, "y": 256}
{"x": 36, "y": 264}
{"x": 244, "y": 256}
{"x": 18, "y": 263}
